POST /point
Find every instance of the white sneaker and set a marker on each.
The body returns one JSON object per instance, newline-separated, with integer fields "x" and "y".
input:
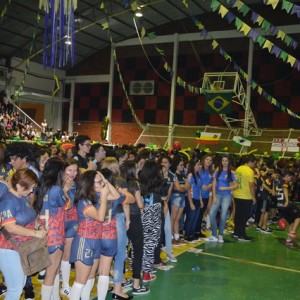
{"x": 65, "y": 291}
{"x": 212, "y": 239}
{"x": 172, "y": 258}
{"x": 221, "y": 240}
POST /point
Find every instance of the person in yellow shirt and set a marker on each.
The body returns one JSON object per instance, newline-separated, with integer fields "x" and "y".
{"x": 244, "y": 197}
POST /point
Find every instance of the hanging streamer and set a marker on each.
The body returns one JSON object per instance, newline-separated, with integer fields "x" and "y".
{"x": 106, "y": 27}
{"x": 248, "y": 31}
{"x": 59, "y": 32}
{"x": 252, "y": 83}
{"x": 265, "y": 25}
{"x": 5, "y": 8}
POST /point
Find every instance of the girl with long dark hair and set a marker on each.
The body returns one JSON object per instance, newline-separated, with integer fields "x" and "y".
{"x": 206, "y": 177}
{"x": 69, "y": 184}
{"x": 95, "y": 243}
{"x": 224, "y": 183}
{"x": 177, "y": 197}
{"x": 194, "y": 203}
{"x": 51, "y": 199}
{"x": 153, "y": 193}
{"x": 135, "y": 231}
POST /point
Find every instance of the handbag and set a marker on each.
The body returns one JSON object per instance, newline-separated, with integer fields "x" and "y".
{"x": 33, "y": 253}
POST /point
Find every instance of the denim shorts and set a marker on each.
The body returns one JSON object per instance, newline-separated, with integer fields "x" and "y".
{"x": 178, "y": 200}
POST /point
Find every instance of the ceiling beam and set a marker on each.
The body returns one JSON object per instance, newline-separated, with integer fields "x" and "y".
{"x": 223, "y": 34}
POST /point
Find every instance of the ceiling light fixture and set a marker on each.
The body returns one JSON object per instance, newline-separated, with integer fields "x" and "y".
{"x": 138, "y": 12}
{"x": 68, "y": 42}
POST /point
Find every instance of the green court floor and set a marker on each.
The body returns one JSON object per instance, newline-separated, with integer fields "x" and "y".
{"x": 262, "y": 269}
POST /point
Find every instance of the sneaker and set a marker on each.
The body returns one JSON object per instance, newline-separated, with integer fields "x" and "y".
{"x": 127, "y": 283}
{"x": 41, "y": 277}
{"x": 244, "y": 239}
{"x": 3, "y": 289}
{"x": 181, "y": 242}
{"x": 29, "y": 292}
{"x": 161, "y": 264}
{"x": 65, "y": 291}
{"x": 171, "y": 258}
{"x": 251, "y": 220}
{"x": 175, "y": 242}
{"x": 258, "y": 228}
{"x": 212, "y": 239}
{"x": 189, "y": 239}
{"x": 199, "y": 235}
{"x": 235, "y": 236}
{"x": 220, "y": 239}
{"x": 289, "y": 242}
{"x": 148, "y": 277}
{"x": 140, "y": 291}
{"x": 266, "y": 231}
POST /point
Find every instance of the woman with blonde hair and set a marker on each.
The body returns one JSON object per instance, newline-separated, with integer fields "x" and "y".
{"x": 122, "y": 222}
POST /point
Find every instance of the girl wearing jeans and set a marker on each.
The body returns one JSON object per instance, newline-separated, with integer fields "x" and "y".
{"x": 194, "y": 199}
{"x": 223, "y": 183}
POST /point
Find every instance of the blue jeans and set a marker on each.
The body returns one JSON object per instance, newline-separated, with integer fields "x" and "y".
{"x": 168, "y": 233}
{"x": 223, "y": 201}
{"x": 121, "y": 248}
{"x": 10, "y": 266}
{"x": 200, "y": 217}
{"x": 192, "y": 216}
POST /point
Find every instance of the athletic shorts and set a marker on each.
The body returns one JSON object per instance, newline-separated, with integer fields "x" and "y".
{"x": 85, "y": 250}
{"x": 52, "y": 249}
{"x": 108, "y": 247}
{"x": 290, "y": 213}
{"x": 265, "y": 206}
{"x": 274, "y": 202}
{"x": 71, "y": 228}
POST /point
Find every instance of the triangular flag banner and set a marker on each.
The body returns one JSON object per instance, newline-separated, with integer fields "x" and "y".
{"x": 56, "y": 87}
{"x": 241, "y": 141}
{"x": 208, "y": 138}
{"x": 218, "y": 103}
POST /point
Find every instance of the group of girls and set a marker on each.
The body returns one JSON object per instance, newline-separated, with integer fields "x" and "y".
{"x": 88, "y": 218}
{"x": 195, "y": 188}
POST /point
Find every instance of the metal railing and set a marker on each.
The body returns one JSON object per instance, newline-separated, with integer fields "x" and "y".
{"x": 27, "y": 118}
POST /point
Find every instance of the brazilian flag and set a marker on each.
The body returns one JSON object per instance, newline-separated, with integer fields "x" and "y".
{"x": 218, "y": 103}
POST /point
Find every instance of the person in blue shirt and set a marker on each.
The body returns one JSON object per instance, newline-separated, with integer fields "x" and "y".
{"x": 206, "y": 177}
{"x": 19, "y": 219}
{"x": 224, "y": 183}
{"x": 194, "y": 203}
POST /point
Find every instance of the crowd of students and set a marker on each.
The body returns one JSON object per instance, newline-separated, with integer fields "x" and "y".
{"x": 94, "y": 203}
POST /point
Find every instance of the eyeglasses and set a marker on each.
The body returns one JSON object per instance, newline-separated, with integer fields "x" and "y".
{"x": 100, "y": 181}
{"x": 88, "y": 145}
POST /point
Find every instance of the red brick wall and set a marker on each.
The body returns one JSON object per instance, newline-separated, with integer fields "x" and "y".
{"x": 122, "y": 133}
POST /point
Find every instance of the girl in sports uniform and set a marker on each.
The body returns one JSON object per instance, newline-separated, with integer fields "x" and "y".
{"x": 95, "y": 243}
{"x": 51, "y": 200}
{"x": 71, "y": 221}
